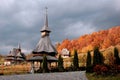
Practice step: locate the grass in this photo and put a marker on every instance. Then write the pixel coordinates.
(14, 69)
(91, 77)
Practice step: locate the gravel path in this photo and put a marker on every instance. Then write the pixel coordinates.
(79, 75)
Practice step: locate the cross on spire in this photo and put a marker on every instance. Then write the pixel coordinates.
(19, 47)
(46, 9)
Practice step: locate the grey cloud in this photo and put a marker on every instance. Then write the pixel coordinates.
(21, 20)
(79, 28)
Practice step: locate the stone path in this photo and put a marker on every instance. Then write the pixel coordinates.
(79, 75)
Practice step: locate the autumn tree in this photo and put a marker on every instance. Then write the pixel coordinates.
(103, 39)
(88, 62)
(110, 59)
(116, 56)
(75, 60)
(83, 59)
(60, 64)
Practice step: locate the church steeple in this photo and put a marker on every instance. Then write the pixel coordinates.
(45, 27)
(45, 46)
(19, 47)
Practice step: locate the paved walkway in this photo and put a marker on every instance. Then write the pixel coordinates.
(79, 75)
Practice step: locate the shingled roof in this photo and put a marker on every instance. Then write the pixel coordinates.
(15, 54)
(40, 58)
(45, 45)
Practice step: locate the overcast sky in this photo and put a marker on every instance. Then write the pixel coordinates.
(21, 20)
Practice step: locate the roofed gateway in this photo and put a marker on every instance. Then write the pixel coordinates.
(44, 46)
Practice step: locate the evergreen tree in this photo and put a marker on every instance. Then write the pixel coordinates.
(75, 60)
(45, 65)
(116, 55)
(97, 57)
(60, 63)
(101, 58)
(88, 63)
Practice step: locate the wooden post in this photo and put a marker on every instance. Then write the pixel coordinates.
(56, 64)
(50, 65)
(32, 67)
(40, 65)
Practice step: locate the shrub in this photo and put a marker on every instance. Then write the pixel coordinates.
(113, 70)
(40, 70)
(118, 68)
(96, 69)
(54, 69)
(104, 70)
(89, 69)
(67, 69)
(100, 70)
(82, 68)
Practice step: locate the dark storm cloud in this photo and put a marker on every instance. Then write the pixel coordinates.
(21, 20)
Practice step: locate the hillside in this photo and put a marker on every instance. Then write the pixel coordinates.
(103, 39)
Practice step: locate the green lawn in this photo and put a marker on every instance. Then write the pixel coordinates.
(91, 77)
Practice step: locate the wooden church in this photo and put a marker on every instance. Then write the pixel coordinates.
(44, 46)
(15, 56)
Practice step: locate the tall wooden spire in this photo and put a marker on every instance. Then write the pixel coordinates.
(46, 18)
(45, 27)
